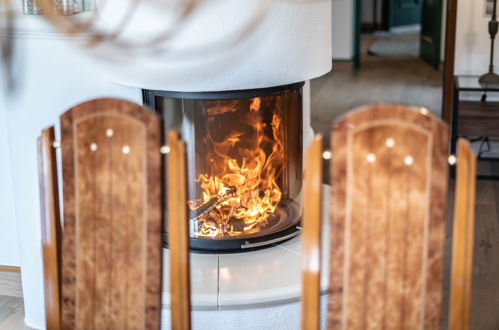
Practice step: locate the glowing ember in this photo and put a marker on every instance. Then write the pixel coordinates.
(240, 189)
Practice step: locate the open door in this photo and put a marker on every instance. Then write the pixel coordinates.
(431, 27)
(404, 12)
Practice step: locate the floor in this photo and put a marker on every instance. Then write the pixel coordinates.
(400, 44)
(405, 80)
(11, 302)
(383, 79)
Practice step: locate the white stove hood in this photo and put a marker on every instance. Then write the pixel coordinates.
(290, 41)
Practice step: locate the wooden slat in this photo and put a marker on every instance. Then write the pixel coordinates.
(311, 237)
(112, 216)
(51, 227)
(178, 234)
(389, 181)
(463, 238)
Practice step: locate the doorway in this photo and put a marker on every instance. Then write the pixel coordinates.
(401, 27)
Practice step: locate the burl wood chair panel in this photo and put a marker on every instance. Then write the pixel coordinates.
(389, 185)
(51, 228)
(111, 267)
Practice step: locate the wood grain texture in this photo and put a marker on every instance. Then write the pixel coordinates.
(478, 118)
(311, 237)
(389, 184)
(485, 293)
(51, 227)
(112, 216)
(463, 238)
(178, 234)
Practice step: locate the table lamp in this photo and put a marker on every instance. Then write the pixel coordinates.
(491, 77)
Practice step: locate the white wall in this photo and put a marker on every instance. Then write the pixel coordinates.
(343, 29)
(9, 251)
(56, 77)
(472, 39)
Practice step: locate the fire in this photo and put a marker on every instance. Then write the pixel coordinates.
(240, 189)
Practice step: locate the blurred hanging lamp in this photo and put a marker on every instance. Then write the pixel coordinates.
(491, 77)
(62, 7)
(6, 45)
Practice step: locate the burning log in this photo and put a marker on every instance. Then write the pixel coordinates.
(236, 224)
(225, 214)
(204, 209)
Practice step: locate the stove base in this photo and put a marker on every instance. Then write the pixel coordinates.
(200, 245)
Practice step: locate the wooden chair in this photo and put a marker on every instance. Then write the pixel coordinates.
(311, 237)
(111, 244)
(51, 228)
(389, 184)
(462, 242)
(178, 234)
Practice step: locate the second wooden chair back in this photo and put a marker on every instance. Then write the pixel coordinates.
(389, 183)
(389, 188)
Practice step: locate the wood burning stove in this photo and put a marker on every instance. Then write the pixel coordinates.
(244, 163)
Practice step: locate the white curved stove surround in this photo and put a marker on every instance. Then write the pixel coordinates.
(263, 286)
(289, 42)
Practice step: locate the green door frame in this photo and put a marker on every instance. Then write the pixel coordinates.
(430, 45)
(356, 37)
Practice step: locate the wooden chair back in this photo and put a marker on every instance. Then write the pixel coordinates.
(111, 259)
(463, 238)
(311, 237)
(389, 185)
(51, 228)
(178, 234)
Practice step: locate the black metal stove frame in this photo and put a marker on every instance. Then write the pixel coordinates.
(201, 245)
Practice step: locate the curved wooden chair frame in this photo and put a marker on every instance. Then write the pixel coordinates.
(311, 237)
(51, 227)
(463, 238)
(178, 234)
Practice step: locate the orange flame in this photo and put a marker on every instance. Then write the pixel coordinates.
(242, 189)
